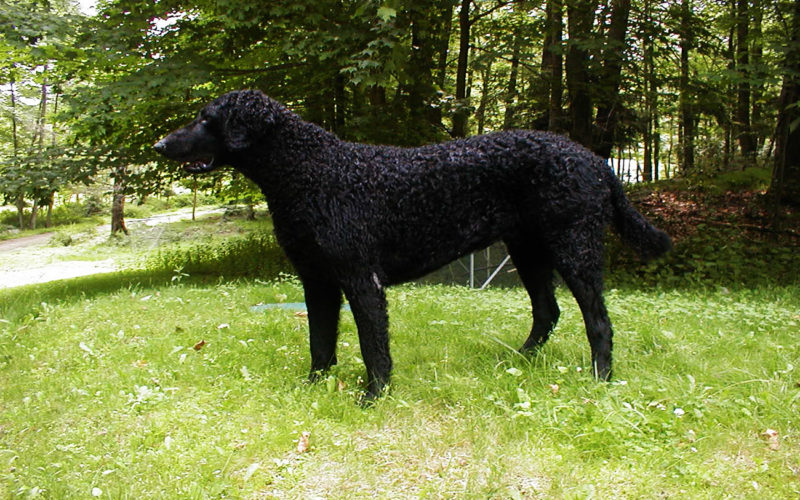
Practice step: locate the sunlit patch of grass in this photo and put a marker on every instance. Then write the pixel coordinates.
(177, 389)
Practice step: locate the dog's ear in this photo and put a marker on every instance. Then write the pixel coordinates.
(249, 116)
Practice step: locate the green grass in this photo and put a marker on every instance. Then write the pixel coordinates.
(102, 391)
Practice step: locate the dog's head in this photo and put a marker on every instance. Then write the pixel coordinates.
(229, 125)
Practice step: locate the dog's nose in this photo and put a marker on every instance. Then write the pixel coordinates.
(160, 146)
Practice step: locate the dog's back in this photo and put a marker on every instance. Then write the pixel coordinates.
(417, 209)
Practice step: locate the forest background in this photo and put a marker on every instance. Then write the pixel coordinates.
(683, 89)
(182, 374)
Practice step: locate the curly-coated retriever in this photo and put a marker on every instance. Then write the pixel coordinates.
(355, 218)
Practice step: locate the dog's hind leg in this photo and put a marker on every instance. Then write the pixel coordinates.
(579, 261)
(323, 300)
(368, 303)
(536, 273)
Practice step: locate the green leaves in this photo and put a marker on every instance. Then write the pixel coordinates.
(386, 13)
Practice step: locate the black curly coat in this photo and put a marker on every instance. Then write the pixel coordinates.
(355, 218)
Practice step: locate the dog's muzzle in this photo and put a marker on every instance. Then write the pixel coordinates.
(193, 166)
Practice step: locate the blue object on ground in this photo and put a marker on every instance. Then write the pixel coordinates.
(287, 306)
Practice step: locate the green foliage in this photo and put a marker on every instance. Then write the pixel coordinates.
(749, 179)
(94, 205)
(152, 205)
(61, 239)
(712, 256)
(39, 172)
(63, 215)
(187, 200)
(72, 213)
(254, 255)
(372, 71)
(703, 404)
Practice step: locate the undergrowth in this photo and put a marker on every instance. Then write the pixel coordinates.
(256, 254)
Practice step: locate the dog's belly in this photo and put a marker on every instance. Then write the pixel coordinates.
(411, 253)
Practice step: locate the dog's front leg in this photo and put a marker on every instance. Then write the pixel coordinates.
(368, 303)
(324, 301)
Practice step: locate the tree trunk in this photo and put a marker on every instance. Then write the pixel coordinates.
(38, 142)
(422, 59)
(726, 116)
(38, 135)
(51, 201)
(580, 15)
(511, 94)
(486, 78)
(744, 132)
(461, 113)
(339, 106)
(51, 197)
(758, 75)
(553, 55)
(20, 200)
(377, 97)
(14, 136)
(650, 91)
(613, 53)
(34, 215)
(443, 28)
(785, 185)
(687, 120)
(118, 201)
(194, 197)
(656, 130)
(20, 204)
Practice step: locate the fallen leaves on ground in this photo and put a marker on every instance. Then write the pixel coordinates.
(772, 438)
(303, 443)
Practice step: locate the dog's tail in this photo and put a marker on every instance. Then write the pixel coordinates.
(635, 230)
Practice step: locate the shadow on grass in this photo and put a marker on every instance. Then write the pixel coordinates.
(19, 301)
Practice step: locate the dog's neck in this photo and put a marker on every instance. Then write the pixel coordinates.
(282, 177)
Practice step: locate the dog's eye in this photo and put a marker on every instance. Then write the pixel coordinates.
(204, 122)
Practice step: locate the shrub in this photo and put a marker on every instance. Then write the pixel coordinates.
(187, 199)
(95, 205)
(61, 239)
(713, 255)
(9, 219)
(72, 213)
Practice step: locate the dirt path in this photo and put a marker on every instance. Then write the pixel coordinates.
(21, 268)
(25, 241)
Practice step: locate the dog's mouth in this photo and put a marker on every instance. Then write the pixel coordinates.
(201, 166)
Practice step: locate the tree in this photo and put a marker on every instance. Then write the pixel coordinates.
(33, 36)
(785, 186)
(650, 89)
(609, 109)
(686, 134)
(747, 142)
(553, 64)
(615, 74)
(580, 15)
(429, 26)
(461, 113)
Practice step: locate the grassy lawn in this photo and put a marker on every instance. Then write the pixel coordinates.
(102, 393)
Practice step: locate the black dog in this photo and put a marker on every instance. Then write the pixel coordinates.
(355, 218)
